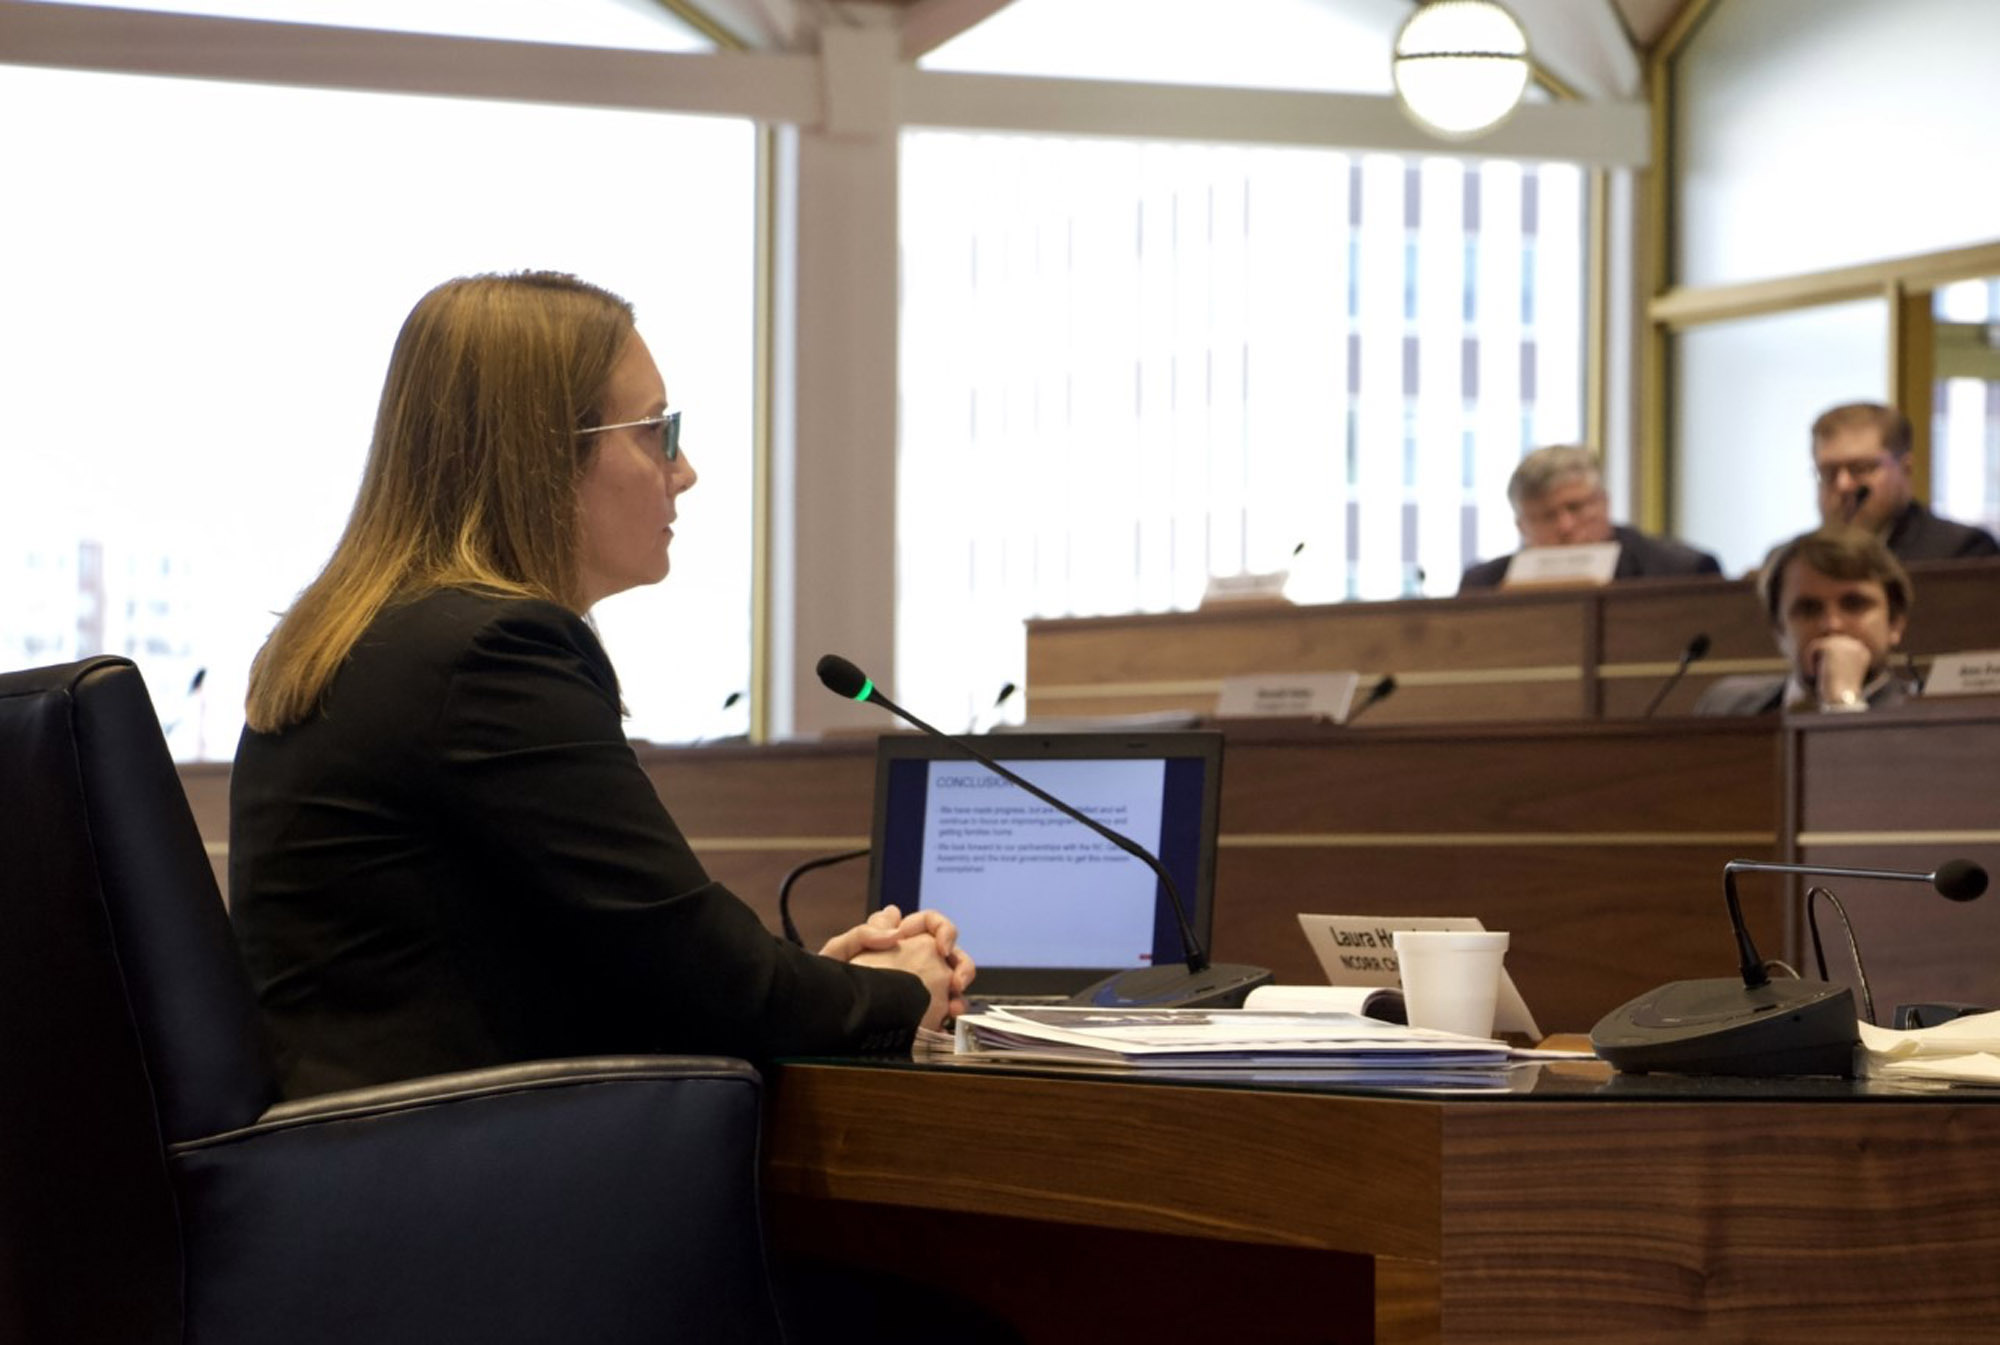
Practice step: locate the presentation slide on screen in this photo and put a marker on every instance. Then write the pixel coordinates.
(1030, 887)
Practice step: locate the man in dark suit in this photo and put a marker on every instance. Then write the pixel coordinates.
(1837, 601)
(1559, 500)
(1861, 456)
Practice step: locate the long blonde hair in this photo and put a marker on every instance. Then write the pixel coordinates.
(471, 476)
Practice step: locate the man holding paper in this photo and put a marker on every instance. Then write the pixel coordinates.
(1559, 500)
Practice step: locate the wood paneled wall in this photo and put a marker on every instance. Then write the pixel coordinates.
(1904, 791)
(1573, 654)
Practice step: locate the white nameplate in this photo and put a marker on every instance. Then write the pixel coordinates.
(1970, 674)
(1287, 695)
(1359, 950)
(1247, 588)
(1589, 563)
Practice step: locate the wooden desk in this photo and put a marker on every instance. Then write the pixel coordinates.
(1570, 654)
(1905, 789)
(1090, 1211)
(1598, 846)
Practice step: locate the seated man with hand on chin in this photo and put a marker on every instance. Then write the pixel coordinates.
(1838, 602)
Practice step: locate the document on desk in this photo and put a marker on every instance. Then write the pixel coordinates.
(1184, 1039)
(1964, 1050)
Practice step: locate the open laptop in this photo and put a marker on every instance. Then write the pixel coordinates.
(1045, 905)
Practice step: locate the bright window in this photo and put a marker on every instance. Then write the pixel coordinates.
(629, 24)
(1965, 433)
(204, 280)
(1129, 367)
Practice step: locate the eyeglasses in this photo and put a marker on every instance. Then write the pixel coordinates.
(1857, 472)
(668, 423)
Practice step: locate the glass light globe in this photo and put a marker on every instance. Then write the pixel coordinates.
(1460, 66)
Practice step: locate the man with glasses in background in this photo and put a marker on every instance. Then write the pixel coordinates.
(1861, 457)
(1559, 500)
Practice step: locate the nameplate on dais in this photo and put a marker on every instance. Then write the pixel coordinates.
(1590, 563)
(1287, 696)
(1968, 674)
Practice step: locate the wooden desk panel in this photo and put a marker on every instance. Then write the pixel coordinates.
(1598, 847)
(1591, 927)
(1646, 626)
(1904, 789)
(1530, 1221)
(1478, 658)
(1600, 653)
(753, 814)
(1562, 780)
(1957, 607)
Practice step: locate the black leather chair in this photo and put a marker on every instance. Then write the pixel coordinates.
(153, 1189)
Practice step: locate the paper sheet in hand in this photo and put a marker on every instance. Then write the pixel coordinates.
(1356, 950)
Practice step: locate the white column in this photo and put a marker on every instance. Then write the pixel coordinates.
(833, 430)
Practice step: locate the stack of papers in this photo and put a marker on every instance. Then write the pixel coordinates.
(1333, 1045)
(1964, 1050)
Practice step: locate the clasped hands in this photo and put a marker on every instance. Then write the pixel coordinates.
(923, 943)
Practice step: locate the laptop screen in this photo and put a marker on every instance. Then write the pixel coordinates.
(1046, 905)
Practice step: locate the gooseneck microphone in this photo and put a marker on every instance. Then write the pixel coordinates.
(1201, 984)
(1750, 1024)
(988, 719)
(1861, 494)
(1955, 880)
(1696, 651)
(1381, 691)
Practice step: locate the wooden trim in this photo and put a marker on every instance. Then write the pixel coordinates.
(1652, 503)
(1597, 309)
(1691, 17)
(1912, 371)
(1927, 838)
(702, 844)
(763, 393)
(699, 19)
(1552, 84)
(1437, 677)
(1680, 308)
(1713, 667)
(1485, 839)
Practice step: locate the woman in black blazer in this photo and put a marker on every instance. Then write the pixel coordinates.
(443, 852)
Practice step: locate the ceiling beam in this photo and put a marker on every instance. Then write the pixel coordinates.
(1598, 134)
(929, 24)
(1584, 43)
(760, 86)
(778, 87)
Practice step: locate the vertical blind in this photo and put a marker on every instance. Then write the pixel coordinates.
(1129, 367)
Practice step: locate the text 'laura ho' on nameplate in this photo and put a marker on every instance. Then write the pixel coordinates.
(1287, 695)
(1971, 674)
(1587, 563)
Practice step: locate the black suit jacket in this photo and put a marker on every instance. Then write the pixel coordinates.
(1921, 535)
(459, 862)
(1639, 557)
(1754, 694)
